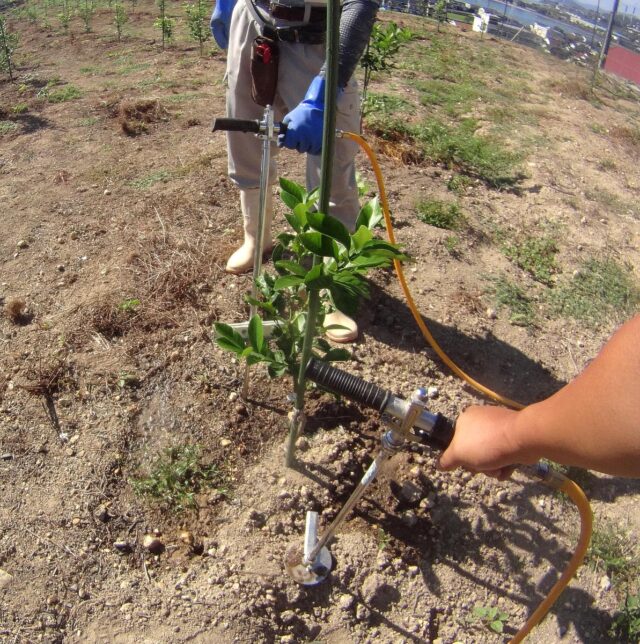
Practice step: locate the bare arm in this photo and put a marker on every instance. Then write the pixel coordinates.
(592, 422)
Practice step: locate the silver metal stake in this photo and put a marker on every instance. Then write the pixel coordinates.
(267, 136)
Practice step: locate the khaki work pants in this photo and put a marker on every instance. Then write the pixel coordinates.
(299, 64)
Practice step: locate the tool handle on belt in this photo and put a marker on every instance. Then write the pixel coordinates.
(435, 429)
(236, 125)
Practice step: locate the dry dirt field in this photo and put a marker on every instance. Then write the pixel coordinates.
(117, 218)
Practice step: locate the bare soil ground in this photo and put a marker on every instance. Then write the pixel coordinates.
(121, 194)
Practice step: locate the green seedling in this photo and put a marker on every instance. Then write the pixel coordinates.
(129, 305)
(440, 12)
(164, 23)
(383, 539)
(176, 477)
(491, 616)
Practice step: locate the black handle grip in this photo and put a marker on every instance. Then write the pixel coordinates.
(236, 125)
(442, 433)
(343, 383)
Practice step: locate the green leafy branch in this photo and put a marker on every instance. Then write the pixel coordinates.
(337, 275)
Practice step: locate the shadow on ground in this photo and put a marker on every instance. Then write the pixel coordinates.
(489, 360)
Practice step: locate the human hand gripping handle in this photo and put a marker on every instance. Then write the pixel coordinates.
(304, 123)
(484, 442)
(221, 21)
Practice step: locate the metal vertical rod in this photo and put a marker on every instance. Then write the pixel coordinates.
(326, 163)
(262, 207)
(607, 39)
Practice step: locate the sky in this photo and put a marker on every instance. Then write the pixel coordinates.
(625, 5)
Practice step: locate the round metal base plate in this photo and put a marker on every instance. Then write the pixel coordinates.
(308, 575)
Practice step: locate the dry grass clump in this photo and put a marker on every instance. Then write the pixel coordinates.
(172, 272)
(16, 311)
(627, 135)
(111, 317)
(47, 378)
(579, 88)
(135, 117)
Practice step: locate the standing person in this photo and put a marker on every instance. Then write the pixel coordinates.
(297, 31)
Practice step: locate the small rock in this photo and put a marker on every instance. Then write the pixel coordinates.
(492, 314)
(153, 544)
(127, 607)
(346, 602)
(225, 442)
(7, 456)
(60, 268)
(107, 192)
(410, 492)
(122, 546)
(23, 243)
(5, 578)
(409, 519)
(102, 513)
(605, 583)
(432, 392)
(288, 617)
(233, 396)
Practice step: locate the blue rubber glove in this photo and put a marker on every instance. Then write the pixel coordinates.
(304, 122)
(220, 21)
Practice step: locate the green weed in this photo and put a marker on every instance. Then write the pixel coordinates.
(600, 292)
(606, 164)
(459, 147)
(536, 256)
(452, 245)
(151, 179)
(610, 202)
(612, 552)
(491, 616)
(459, 183)
(440, 214)
(7, 126)
(176, 477)
(88, 121)
(384, 104)
(129, 305)
(626, 622)
(383, 539)
(508, 294)
(20, 108)
(598, 129)
(62, 95)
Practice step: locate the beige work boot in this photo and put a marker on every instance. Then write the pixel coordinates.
(348, 333)
(242, 260)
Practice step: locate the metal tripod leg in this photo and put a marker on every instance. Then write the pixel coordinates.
(311, 566)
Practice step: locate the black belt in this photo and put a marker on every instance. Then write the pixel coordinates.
(302, 35)
(293, 14)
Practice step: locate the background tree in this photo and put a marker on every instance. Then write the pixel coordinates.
(8, 43)
(198, 22)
